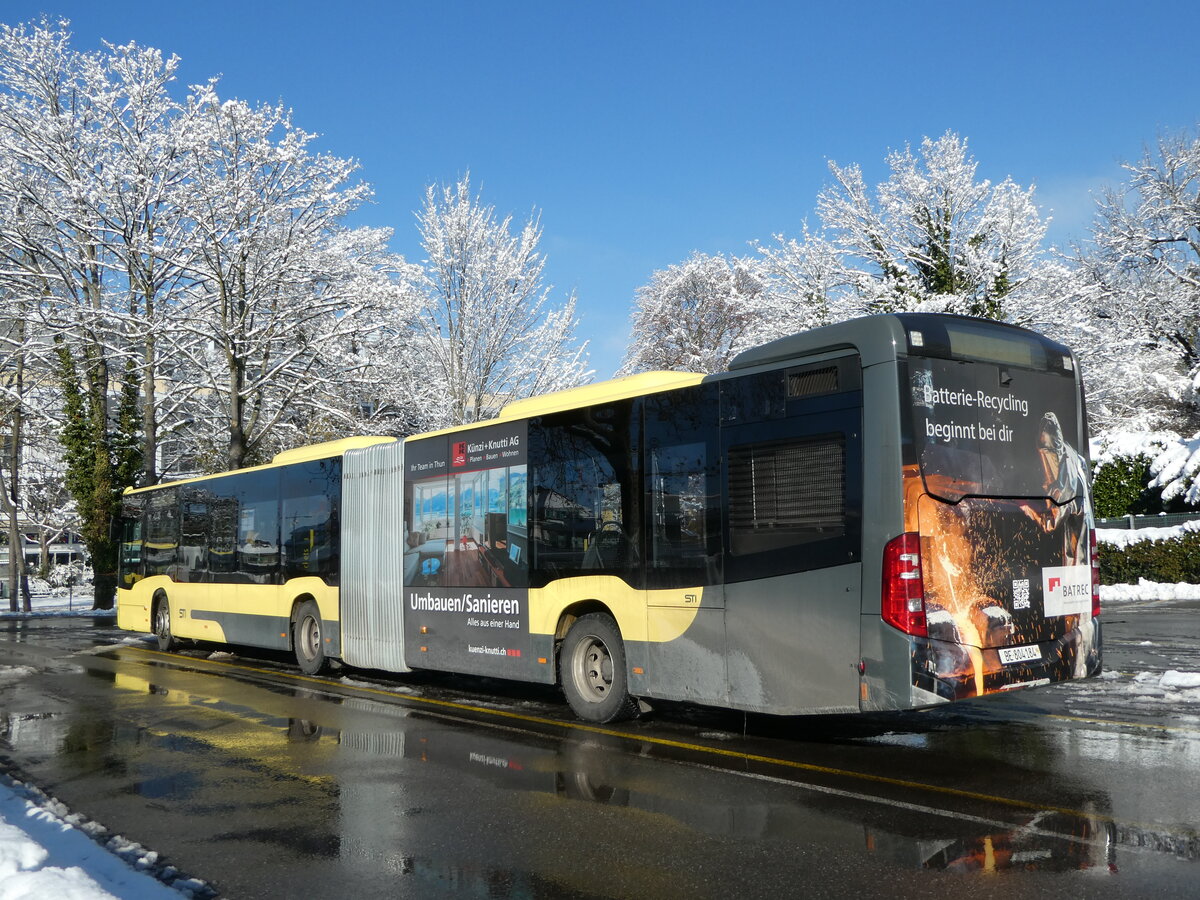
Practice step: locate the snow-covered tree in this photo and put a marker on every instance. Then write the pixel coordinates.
(46, 504)
(58, 269)
(698, 315)
(144, 242)
(929, 238)
(490, 332)
(382, 385)
(1142, 278)
(134, 192)
(277, 281)
(805, 277)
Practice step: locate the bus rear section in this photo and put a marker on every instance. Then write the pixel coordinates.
(994, 580)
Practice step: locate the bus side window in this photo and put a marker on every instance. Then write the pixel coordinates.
(195, 526)
(583, 470)
(162, 533)
(258, 527)
(131, 541)
(223, 526)
(311, 497)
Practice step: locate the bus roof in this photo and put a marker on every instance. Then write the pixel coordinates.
(600, 392)
(324, 450)
(585, 395)
(877, 339)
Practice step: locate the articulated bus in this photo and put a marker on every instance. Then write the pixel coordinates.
(888, 513)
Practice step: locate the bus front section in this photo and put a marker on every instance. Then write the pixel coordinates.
(994, 580)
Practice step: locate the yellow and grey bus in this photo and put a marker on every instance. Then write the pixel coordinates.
(887, 513)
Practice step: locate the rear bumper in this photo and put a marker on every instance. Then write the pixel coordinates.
(952, 671)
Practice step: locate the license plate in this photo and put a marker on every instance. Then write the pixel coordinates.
(1028, 653)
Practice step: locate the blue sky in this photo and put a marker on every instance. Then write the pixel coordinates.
(644, 131)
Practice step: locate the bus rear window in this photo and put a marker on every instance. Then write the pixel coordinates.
(986, 429)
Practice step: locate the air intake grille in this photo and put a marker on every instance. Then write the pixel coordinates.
(792, 488)
(809, 382)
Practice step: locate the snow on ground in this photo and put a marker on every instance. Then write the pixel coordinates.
(43, 854)
(1172, 693)
(59, 602)
(47, 851)
(1120, 538)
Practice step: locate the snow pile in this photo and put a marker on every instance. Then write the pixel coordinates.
(44, 855)
(1147, 590)
(1174, 679)
(1121, 538)
(1171, 687)
(1171, 691)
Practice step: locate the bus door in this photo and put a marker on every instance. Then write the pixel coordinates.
(685, 593)
(793, 501)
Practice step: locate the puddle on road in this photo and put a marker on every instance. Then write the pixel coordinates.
(245, 770)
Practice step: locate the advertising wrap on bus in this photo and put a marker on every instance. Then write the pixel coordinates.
(998, 492)
(466, 598)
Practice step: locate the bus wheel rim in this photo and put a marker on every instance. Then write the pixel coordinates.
(593, 669)
(310, 637)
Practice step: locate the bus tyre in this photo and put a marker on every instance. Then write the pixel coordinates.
(593, 673)
(162, 625)
(308, 638)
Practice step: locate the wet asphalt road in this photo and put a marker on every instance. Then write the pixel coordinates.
(268, 784)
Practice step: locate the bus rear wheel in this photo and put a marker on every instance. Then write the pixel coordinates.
(307, 638)
(593, 673)
(162, 625)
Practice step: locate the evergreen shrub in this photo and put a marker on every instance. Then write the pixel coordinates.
(1121, 488)
(1169, 561)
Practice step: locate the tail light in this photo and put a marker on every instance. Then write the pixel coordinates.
(1095, 573)
(903, 601)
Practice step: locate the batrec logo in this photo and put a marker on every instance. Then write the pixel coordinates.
(1067, 590)
(458, 454)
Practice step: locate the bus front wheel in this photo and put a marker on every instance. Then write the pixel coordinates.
(593, 673)
(162, 625)
(307, 638)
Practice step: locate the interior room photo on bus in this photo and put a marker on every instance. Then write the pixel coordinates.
(467, 529)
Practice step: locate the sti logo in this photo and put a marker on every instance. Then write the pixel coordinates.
(458, 454)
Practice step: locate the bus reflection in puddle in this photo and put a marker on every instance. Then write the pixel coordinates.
(611, 773)
(592, 772)
(1049, 842)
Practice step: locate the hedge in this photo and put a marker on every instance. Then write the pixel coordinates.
(1168, 561)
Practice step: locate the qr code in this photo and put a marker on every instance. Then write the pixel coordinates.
(1020, 593)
